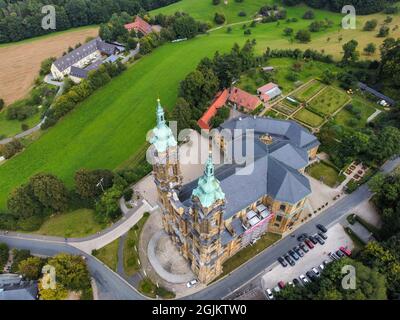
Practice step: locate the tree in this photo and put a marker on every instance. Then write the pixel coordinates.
(1, 104)
(370, 48)
(350, 53)
(22, 203)
(383, 31)
(370, 25)
(390, 60)
(59, 293)
(182, 113)
(50, 191)
(71, 271)
(107, 208)
(288, 31)
(4, 250)
(385, 144)
(12, 148)
(86, 182)
(303, 36)
(328, 77)
(46, 66)
(309, 15)
(216, 2)
(219, 18)
(31, 268)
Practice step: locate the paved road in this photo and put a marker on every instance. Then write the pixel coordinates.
(111, 286)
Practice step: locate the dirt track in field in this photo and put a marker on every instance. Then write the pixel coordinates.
(20, 63)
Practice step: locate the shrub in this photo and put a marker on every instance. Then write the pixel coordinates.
(12, 148)
(242, 14)
(1, 104)
(247, 32)
(383, 32)
(309, 15)
(128, 193)
(303, 36)
(219, 18)
(370, 25)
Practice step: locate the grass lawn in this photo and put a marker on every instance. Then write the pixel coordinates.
(367, 109)
(249, 252)
(325, 173)
(12, 127)
(131, 256)
(150, 289)
(109, 254)
(75, 224)
(111, 124)
(309, 91)
(309, 118)
(329, 101)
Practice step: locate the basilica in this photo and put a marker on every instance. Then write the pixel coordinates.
(229, 207)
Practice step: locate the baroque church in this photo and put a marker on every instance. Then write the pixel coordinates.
(227, 208)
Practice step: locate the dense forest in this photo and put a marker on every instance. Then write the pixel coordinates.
(362, 6)
(22, 19)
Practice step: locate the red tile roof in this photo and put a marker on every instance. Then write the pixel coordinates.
(139, 25)
(244, 99)
(220, 101)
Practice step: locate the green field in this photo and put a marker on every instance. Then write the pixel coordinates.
(309, 91)
(309, 118)
(110, 126)
(325, 173)
(345, 118)
(329, 101)
(76, 224)
(109, 254)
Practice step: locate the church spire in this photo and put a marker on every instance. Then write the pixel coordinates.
(160, 114)
(209, 168)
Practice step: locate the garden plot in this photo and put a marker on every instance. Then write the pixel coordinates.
(309, 118)
(309, 91)
(329, 101)
(286, 107)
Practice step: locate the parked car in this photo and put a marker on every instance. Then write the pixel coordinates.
(282, 262)
(302, 237)
(304, 279)
(333, 256)
(346, 251)
(296, 281)
(191, 283)
(277, 289)
(323, 235)
(270, 296)
(290, 260)
(322, 228)
(319, 239)
(294, 255)
(309, 243)
(325, 263)
(321, 267)
(339, 253)
(291, 284)
(316, 271)
(298, 251)
(303, 247)
(313, 240)
(281, 284)
(311, 275)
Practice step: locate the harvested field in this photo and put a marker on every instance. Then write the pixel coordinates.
(20, 62)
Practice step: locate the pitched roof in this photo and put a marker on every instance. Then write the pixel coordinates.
(244, 99)
(83, 51)
(220, 101)
(267, 87)
(274, 168)
(139, 25)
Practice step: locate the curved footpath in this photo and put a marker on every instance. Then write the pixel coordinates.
(112, 286)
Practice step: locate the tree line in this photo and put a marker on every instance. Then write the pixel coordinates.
(23, 19)
(362, 6)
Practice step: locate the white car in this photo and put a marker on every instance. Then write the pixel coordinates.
(316, 271)
(191, 283)
(270, 296)
(321, 267)
(304, 279)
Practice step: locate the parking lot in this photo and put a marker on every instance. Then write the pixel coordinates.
(336, 238)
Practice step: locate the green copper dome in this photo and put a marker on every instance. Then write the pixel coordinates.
(162, 137)
(208, 190)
